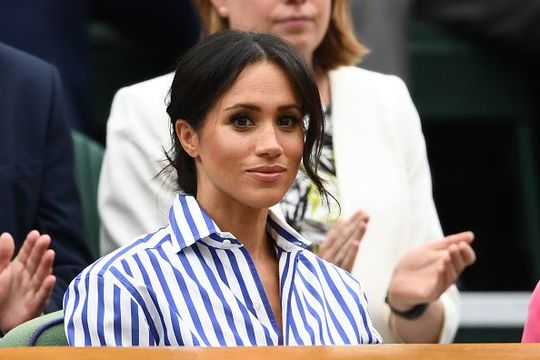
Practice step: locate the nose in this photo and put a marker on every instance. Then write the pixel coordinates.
(268, 144)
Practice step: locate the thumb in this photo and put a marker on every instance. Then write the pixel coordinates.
(7, 248)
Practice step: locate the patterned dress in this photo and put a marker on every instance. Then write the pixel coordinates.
(303, 207)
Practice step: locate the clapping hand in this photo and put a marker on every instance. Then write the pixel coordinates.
(26, 282)
(341, 244)
(423, 274)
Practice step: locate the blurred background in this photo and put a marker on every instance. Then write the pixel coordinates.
(472, 67)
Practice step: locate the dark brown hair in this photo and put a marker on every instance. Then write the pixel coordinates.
(212, 66)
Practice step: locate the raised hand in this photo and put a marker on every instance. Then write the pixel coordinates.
(26, 282)
(423, 274)
(342, 241)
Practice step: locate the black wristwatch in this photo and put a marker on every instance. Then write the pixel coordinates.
(411, 314)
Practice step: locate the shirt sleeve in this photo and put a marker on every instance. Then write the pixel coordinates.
(101, 310)
(376, 338)
(132, 200)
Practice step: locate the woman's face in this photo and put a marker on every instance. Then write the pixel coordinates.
(301, 22)
(251, 142)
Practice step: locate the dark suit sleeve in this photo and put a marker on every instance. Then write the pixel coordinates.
(59, 208)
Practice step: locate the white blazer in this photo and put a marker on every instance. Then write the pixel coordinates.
(381, 167)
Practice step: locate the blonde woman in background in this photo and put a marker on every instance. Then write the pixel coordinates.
(374, 161)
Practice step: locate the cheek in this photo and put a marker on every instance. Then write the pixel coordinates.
(324, 16)
(225, 151)
(249, 17)
(295, 148)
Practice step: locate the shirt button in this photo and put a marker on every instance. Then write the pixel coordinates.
(257, 306)
(227, 242)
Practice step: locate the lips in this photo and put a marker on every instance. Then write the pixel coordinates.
(294, 22)
(267, 173)
(295, 18)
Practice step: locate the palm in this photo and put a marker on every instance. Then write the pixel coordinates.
(418, 275)
(342, 242)
(423, 274)
(17, 304)
(6, 282)
(26, 281)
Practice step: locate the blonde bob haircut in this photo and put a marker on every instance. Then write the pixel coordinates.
(339, 46)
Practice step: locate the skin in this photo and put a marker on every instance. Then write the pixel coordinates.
(26, 282)
(247, 155)
(414, 280)
(342, 242)
(301, 22)
(421, 276)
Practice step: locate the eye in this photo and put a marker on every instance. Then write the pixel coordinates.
(288, 121)
(241, 121)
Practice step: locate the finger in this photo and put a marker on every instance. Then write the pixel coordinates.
(356, 226)
(362, 215)
(466, 236)
(457, 261)
(336, 245)
(43, 294)
(443, 243)
(327, 249)
(351, 250)
(350, 256)
(27, 246)
(332, 235)
(41, 246)
(362, 230)
(43, 270)
(353, 230)
(426, 255)
(349, 231)
(342, 252)
(331, 245)
(467, 253)
(449, 271)
(440, 244)
(7, 247)
(358, 215)
(356, 231)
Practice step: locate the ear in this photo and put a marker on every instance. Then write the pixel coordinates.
(188, 137)
(221, 7)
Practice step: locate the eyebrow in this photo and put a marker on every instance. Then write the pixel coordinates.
(257, 108)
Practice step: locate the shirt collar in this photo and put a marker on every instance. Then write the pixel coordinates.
(284, 235)
(189, 223)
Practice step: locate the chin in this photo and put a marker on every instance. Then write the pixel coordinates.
(304, 45)
(263, 199)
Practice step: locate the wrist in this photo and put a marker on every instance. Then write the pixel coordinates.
(411, 312)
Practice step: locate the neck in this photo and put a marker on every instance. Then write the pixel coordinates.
(247, 224)
(323, 83)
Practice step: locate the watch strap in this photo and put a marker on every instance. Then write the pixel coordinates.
(414, 313)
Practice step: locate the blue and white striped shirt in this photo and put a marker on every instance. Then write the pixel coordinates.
(192, 284)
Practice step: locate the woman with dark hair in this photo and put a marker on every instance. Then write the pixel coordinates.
(373, 160)
(227, 271)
